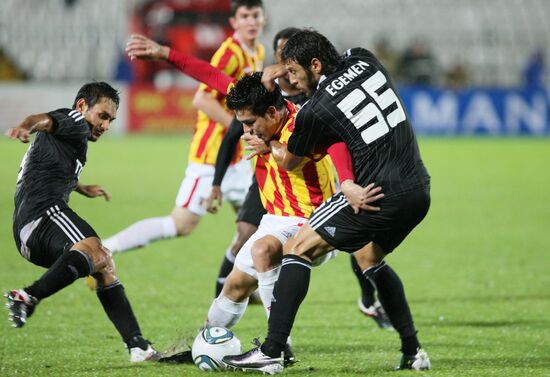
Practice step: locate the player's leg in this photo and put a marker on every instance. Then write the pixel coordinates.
(113, 298)
(292, 286)
(46, 245)
(392, 296)
(290, 290)
(367, 303)
(250, 212)
(244, 231)
(227, 309)
(267, 254)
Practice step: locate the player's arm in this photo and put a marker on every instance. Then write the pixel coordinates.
(271, 74)
(92, 191)
(283, 157)
(358, 197)
(140, 47)
(204, 102)
(226, 152)
(33, 123)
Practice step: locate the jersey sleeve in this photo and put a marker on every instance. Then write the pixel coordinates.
(342, 161)
(201, 70)
(227, 150)
(69, 124)
(308, 129)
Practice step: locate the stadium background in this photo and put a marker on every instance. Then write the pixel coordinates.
(476, 270)
(476, 67)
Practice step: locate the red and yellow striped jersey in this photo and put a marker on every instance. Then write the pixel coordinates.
(297, 192)
(233, 60)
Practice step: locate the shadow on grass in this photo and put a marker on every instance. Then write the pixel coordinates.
(493, 324)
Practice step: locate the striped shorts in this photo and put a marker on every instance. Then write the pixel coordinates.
(45, 239)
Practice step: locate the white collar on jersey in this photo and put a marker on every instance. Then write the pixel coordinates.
(321, 79)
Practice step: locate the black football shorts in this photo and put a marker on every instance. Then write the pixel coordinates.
(53, 234)
(252, 209)
(339, 226)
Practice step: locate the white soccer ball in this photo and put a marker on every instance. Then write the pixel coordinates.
(211, 345)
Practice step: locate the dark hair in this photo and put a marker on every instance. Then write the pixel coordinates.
(286, 33)
(92, 92)
(307, 44)
(250, 94)
(236, 4)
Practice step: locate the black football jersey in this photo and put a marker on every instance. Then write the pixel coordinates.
(51, 167)
(359, 105)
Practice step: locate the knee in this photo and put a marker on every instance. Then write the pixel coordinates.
(185, 221)
(236, 289)
(103, 266)
(105, 274)
(264, 256)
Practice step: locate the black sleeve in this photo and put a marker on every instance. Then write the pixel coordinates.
(227, 150)
(308, 129)
(69, 124)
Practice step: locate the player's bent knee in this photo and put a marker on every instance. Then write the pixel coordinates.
(94, 249)
(185, 221)
(106, 275)
(266, 255)
(238, 285)
(306, 244)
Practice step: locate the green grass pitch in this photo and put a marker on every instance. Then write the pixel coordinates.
(476, 271)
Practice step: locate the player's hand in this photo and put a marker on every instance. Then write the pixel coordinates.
(254, 144)
(360, 197)
(140, 47)
(214, 201)
(271, 73)
(93, 191)
(18, 133)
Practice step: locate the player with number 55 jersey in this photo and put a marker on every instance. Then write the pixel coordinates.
(352, 100)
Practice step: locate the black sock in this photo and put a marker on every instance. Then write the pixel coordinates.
(367, 289)
(65, 270)
(225, 269)
(392, 297)
(116, 305)
(289, 292)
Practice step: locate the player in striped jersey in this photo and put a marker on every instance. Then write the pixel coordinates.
(47, 232)
(239, 54)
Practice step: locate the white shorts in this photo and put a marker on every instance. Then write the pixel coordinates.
(280, 227)
(197, 185)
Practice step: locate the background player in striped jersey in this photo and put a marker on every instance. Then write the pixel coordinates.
(47, 232)
(239, 54)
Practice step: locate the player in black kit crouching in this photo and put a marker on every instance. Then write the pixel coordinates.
(47, 232)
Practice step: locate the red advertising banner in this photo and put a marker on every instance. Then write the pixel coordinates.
(154, 110)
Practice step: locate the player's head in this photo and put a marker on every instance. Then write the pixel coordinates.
(280, 40)
(261, 111)
(247, 19)
(308, 55)
(98, 102)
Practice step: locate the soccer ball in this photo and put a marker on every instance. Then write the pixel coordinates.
(211, 345)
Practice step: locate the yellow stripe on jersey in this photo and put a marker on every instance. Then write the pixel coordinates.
(299, 191)
(234, 61)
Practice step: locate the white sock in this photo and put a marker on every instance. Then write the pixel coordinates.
(266, 283)
(224, 312)
(141, 233)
